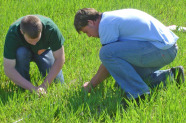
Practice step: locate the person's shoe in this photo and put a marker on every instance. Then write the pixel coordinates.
(142, 98)
(178, 73)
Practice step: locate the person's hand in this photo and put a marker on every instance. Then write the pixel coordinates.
(43, 85)
(87, 86)
(41, 91)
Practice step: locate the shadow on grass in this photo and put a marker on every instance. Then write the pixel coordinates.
(7, 92)
(97, 104)
(104, 102)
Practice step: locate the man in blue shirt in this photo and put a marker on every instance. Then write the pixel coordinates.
(135, 46)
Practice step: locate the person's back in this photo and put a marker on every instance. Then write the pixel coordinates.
(134, 25)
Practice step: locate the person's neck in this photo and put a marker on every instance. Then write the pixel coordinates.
(98, 20)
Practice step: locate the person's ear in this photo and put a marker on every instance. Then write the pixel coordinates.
(90, 22)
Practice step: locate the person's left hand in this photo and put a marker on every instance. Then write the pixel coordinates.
(87, 86)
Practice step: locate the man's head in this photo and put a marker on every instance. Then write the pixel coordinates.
(87, 21)
(31, 28)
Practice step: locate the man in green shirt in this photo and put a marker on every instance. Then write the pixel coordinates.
(34, 38)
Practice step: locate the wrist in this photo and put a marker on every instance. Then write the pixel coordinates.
(44, 85)
(33, 88)
(92, 84)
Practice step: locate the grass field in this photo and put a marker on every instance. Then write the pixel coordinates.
(69, 103)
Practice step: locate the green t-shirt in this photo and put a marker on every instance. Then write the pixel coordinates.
(51, 38)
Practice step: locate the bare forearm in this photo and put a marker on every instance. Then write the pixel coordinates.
(59, 57)
(100, 76)
(18, 79)
(53, 72)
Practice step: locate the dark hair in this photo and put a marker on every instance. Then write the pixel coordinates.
(82, 17)
(31, 25)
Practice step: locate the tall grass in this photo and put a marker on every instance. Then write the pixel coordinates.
(69, 103)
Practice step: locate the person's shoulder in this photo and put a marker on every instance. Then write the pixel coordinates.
(45, 20)
(48, 23)
(15, 24)
(125, 14)
(110, 17)
(126, 11)
(14, 28)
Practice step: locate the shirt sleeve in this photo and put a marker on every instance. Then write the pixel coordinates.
(10, 47)
(57, 39)
(108, 33)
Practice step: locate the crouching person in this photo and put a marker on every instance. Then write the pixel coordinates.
(135, 46)
(34, 38)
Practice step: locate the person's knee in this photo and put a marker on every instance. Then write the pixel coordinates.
(59, 78)
(22, 53)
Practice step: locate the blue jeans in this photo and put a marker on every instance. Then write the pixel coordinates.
(131, 62)
(44, 62)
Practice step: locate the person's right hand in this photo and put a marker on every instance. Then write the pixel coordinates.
(87, 86)
(41, 91)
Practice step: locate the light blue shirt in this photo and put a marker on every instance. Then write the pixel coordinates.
(134, 25)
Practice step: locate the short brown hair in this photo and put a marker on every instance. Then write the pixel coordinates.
(82, 17)
(31, 25)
